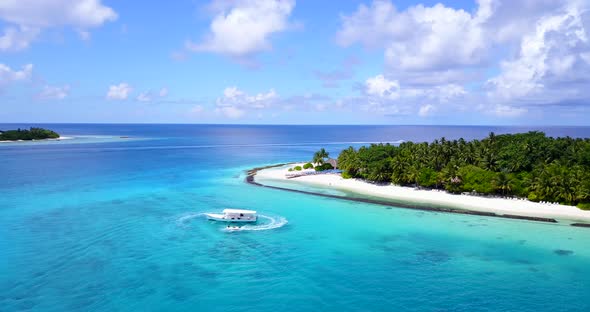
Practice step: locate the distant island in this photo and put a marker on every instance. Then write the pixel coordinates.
(527, 165)
(525, 175)
(28, 135)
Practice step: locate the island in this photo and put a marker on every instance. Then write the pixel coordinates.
(525, 175)
(28, 135)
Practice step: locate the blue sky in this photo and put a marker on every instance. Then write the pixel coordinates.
(296, 62)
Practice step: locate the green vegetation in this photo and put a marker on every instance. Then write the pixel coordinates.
(320, 156)
(346, 175)
(325, 166)
(31, 134)
(529, 165)
(298, 168)
(308, 166)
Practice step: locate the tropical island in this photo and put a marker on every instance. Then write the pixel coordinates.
(28, 135)
(526, 174)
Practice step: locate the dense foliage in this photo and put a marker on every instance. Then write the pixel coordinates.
(319, 157)
(31, 134)
(529, 165)
(308, 166)
(325, 166)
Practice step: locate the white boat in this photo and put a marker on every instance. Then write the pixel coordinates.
(233, 215)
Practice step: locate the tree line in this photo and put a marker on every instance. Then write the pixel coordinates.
(24, 134)
(529, 165)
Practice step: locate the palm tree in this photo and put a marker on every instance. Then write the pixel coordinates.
(412, 175)
(348, 161)
(503, 182)
(397, 167)
(319, 156)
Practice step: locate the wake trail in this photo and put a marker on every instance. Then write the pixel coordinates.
(274, 223)
(270, 223)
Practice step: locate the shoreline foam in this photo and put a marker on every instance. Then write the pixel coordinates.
(42, 140)
(427, 199)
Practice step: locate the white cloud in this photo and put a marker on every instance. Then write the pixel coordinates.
(235, 103)
(241, 28)
(54, 92)
(144, 97)
(433, 53)
(419, 38)
(119, 92)
(379, 86)
(151, 95)
(8, 75)
(426, 110)
(385, 96)
(17, 38)
(27, 18)
(551, 66)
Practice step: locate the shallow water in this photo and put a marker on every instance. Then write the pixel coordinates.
(105, 226)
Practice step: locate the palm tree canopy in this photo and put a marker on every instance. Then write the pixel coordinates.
(525, 164)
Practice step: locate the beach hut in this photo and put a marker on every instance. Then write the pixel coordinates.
(333, 162)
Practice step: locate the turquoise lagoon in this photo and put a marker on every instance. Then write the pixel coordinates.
(117, 226)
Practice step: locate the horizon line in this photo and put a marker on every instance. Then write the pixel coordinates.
(262, 124)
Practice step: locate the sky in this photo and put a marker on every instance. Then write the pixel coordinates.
(484, 62)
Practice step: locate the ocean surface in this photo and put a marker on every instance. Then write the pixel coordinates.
(111, 220)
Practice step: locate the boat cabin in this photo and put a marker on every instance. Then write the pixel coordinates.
(239, 214)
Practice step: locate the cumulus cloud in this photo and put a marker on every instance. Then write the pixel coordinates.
(426, 110)
(430, 52)
(235, 103)
(420, 37)
(9, 76)
(433, 53)
(17, 38)
(387, 96)
(54, 92)
(27, 18)
(244, 27)
(552, 64)
(381, 87)
(119, 92)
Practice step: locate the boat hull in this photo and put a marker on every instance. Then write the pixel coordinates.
(223, 218)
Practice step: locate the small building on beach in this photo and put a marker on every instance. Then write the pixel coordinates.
(333, 162)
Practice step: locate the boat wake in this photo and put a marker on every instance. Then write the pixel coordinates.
(185, 218)
(270, 224)
(265, 223)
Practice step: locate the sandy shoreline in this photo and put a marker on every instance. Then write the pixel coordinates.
(42, 140)
(500, 206)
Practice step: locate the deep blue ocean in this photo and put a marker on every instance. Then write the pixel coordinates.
(104, 223)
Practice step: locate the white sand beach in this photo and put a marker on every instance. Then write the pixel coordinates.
(499, 206)
(42, 140)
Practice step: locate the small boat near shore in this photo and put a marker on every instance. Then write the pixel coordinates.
(234, 215)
